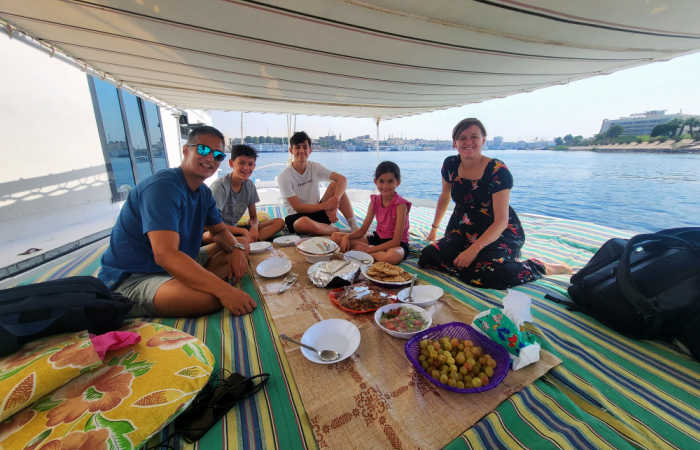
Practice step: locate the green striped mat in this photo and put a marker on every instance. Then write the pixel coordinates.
(610, 391)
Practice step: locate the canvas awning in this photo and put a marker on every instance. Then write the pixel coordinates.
(371, 58)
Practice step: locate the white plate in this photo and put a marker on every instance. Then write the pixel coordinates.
(364, 268)
(332, 334)
(402, 334)
(317, 246)
(358, 256)
(423, 294)
(259, 247)
(287, 240)
(274, 267)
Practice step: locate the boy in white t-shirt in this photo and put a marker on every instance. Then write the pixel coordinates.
(311, 213)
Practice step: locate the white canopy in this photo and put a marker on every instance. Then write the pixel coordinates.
(363, 58)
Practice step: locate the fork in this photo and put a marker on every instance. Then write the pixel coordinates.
(288, 282)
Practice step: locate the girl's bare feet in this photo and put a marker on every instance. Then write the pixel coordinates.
(557, 269)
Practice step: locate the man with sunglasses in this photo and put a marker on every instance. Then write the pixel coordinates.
(154, 256)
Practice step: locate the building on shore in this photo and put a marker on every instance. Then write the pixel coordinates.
(642, 123)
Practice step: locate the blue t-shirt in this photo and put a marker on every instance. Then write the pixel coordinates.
(161, 202)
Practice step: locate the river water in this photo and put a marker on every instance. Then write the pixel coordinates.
(632, 191)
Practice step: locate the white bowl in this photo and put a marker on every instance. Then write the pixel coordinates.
(318, 245)
(274, 267)
(422, 295)
(332, 334)
(287, 240)
(315, 258)
(402, 334)
(259, 247)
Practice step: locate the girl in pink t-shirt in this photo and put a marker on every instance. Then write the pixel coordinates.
(389, 242)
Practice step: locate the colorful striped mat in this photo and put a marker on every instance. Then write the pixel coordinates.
(610, 391)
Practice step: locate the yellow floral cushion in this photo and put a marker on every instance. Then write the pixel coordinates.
(245, 219)
(135, 393)
(41, 366)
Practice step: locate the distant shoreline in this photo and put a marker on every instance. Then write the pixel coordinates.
(597, 149)
(664, 147)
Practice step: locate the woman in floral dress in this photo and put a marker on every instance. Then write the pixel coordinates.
(484, 236)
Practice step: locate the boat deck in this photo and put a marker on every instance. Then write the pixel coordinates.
(609, 392)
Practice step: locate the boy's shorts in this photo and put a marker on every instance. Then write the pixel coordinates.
(374, 239)
(318, 216)
(141, 288)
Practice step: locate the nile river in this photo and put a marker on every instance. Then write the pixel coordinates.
(632, 191)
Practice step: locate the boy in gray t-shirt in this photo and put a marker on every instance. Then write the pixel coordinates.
(235, 192)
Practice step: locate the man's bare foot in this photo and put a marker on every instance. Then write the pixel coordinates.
(557, 269)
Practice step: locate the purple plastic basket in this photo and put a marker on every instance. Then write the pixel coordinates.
(461, 331)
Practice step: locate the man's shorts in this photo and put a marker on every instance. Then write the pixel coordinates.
(141, 288)
(318, 216)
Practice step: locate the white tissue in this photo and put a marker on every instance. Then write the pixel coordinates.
(516, 306)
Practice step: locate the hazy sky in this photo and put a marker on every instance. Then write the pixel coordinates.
(576, 108)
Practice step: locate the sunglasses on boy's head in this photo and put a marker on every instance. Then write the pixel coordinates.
(204, 150)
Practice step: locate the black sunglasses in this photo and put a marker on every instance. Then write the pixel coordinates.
(204, 150)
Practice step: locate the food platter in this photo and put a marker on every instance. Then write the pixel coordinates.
(364, 270)
(363, 297)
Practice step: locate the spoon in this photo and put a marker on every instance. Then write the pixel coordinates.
(324, 355)
(409, 297)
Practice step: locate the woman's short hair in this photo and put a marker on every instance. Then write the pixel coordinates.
(466, 123)
(387, 167)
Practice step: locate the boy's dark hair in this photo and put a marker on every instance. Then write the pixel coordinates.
(243, 150)
(387, 167)
(466, 123)
(298, 138)
(204, 129)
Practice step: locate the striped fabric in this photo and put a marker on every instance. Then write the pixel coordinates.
(610, 391)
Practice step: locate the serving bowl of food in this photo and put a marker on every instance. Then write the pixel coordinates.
(402, 320)
(318, 245)
(317, 249)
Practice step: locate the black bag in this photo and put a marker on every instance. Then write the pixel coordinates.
(214, 401)
(58, 306)
(646, 287)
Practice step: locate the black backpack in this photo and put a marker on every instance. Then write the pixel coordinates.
(647, 287)
(58, 306)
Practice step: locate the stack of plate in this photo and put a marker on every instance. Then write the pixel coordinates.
(317, 248)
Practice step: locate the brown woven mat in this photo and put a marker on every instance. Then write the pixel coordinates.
(375, 399)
